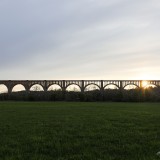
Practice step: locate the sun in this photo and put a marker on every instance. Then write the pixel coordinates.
(144, 83)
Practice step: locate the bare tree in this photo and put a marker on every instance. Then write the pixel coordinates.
(36, 88)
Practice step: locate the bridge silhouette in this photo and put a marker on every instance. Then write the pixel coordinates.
(82, 84)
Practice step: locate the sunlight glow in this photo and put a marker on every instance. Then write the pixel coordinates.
(144, 84)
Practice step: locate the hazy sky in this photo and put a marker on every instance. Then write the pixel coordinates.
(80, 39)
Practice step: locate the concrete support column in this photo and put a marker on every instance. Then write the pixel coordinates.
(9, 86)
(27, 89)
(121, 89)
(45, 86)
(121, 85)
(9, 90)
(102, 90)
(64, 89)
(82, 87)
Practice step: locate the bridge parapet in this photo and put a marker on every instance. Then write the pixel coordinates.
(152, 82)
(54, 82)
(92, 82)
(111, 82)
(74, 82)
(136, 83)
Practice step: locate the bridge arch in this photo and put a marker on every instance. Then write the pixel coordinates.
(131, 85)
(90, 85)
(112, 85)
(18, 88)
(36, 87)
(57, 87)
(3, 88)
(149, 85)
(75, 88)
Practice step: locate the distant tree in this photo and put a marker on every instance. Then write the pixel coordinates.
(36, 88)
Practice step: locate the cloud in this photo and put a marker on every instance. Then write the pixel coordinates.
(78, 39)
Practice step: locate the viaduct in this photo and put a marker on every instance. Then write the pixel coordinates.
(101, 84)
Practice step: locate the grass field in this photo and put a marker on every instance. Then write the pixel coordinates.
(79, 131)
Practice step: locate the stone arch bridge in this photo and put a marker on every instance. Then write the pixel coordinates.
(101, 84)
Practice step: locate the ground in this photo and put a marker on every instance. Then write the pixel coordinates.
(79, 131)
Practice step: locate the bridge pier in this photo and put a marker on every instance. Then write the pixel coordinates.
(102, 90)
(45, 86)
(27, 87)
(9, 91)
(82, 87)
(121, 86)
(9, 87)
(121, 89)
(64, 90)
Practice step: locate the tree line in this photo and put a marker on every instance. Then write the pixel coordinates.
(111, 95)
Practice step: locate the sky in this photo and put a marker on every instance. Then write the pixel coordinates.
(79, 39)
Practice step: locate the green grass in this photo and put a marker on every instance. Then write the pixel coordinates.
(79, 131)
